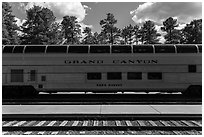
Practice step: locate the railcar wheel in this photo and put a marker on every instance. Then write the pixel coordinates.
(28, 91)
(194, 90)
(18, 91)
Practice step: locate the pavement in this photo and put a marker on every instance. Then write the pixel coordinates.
(101, 109)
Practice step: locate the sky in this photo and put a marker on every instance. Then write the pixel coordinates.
(89, 14)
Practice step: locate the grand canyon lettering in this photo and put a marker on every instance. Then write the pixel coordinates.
(137, 61)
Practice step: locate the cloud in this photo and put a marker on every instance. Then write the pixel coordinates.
(86, 7)
(185, 12)
(61, 9)
(19, 22)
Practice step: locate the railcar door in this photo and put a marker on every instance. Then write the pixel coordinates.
(32, 77)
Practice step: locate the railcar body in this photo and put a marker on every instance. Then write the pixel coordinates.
(164, 68)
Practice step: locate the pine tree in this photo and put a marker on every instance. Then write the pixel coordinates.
(54, 34)
(150, 33)
(124, 35)
(37, 26)
(71, 29)
(193, 32)
(109, 29)
(136, 34)
(9, 26)
(169, 26)
(89, 38)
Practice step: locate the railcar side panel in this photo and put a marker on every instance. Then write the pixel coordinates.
(103, 72)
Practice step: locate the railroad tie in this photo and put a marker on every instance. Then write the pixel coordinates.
(55, 133)
(41, 132)
(28, 133)
(75, 123)
(95, 123)
(51, 123)
(128, 123)
(105, 123)
(177, 132)
(9, 123)
(40, 123)
(82, 132)
(85, 123)
(29, 123)
(19, 123)
(134, 132)
(196, 123)
(152, 123)
(118, 123)
(165, 123)
(4, 132)
(176, 123)
(187, 123)
(63, 123)
(67, 133)
(121, 132)
(141, 123)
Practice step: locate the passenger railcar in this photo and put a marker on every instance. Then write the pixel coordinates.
(102, 68)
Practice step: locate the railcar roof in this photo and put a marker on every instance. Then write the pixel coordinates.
(148, 48)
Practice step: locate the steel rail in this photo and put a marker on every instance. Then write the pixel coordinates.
(6, 117)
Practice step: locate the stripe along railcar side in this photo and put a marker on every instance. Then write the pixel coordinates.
(102, 68)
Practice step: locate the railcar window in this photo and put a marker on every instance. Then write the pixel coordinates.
(56, 49)
(121, 49)
(134, 75)
(186, 49)
(142, 49)
(35, 49)
(114, 75)
(78, 49)
(192, 68)
(18, 49)
(99, 49)
(155, 75)
(43, 78)
(16, 75)
(200, 49)
(164, 49)
(32, 75)
(94, 76)
(8, 49)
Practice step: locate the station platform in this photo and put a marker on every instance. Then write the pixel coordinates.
(101, 109)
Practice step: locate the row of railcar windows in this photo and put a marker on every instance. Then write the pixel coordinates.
(104, 49)
(118, 76)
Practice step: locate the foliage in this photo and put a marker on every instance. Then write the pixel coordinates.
(54, 34)
(136, 34)
(193, 32)
(127, 34)
(41, 28)
(109, 29)
(89, 38)
(71, 29)
(169, 26)
(9, 27)
(37, 26)
(150, 35)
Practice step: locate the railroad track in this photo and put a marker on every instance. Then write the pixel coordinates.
(29, 124)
